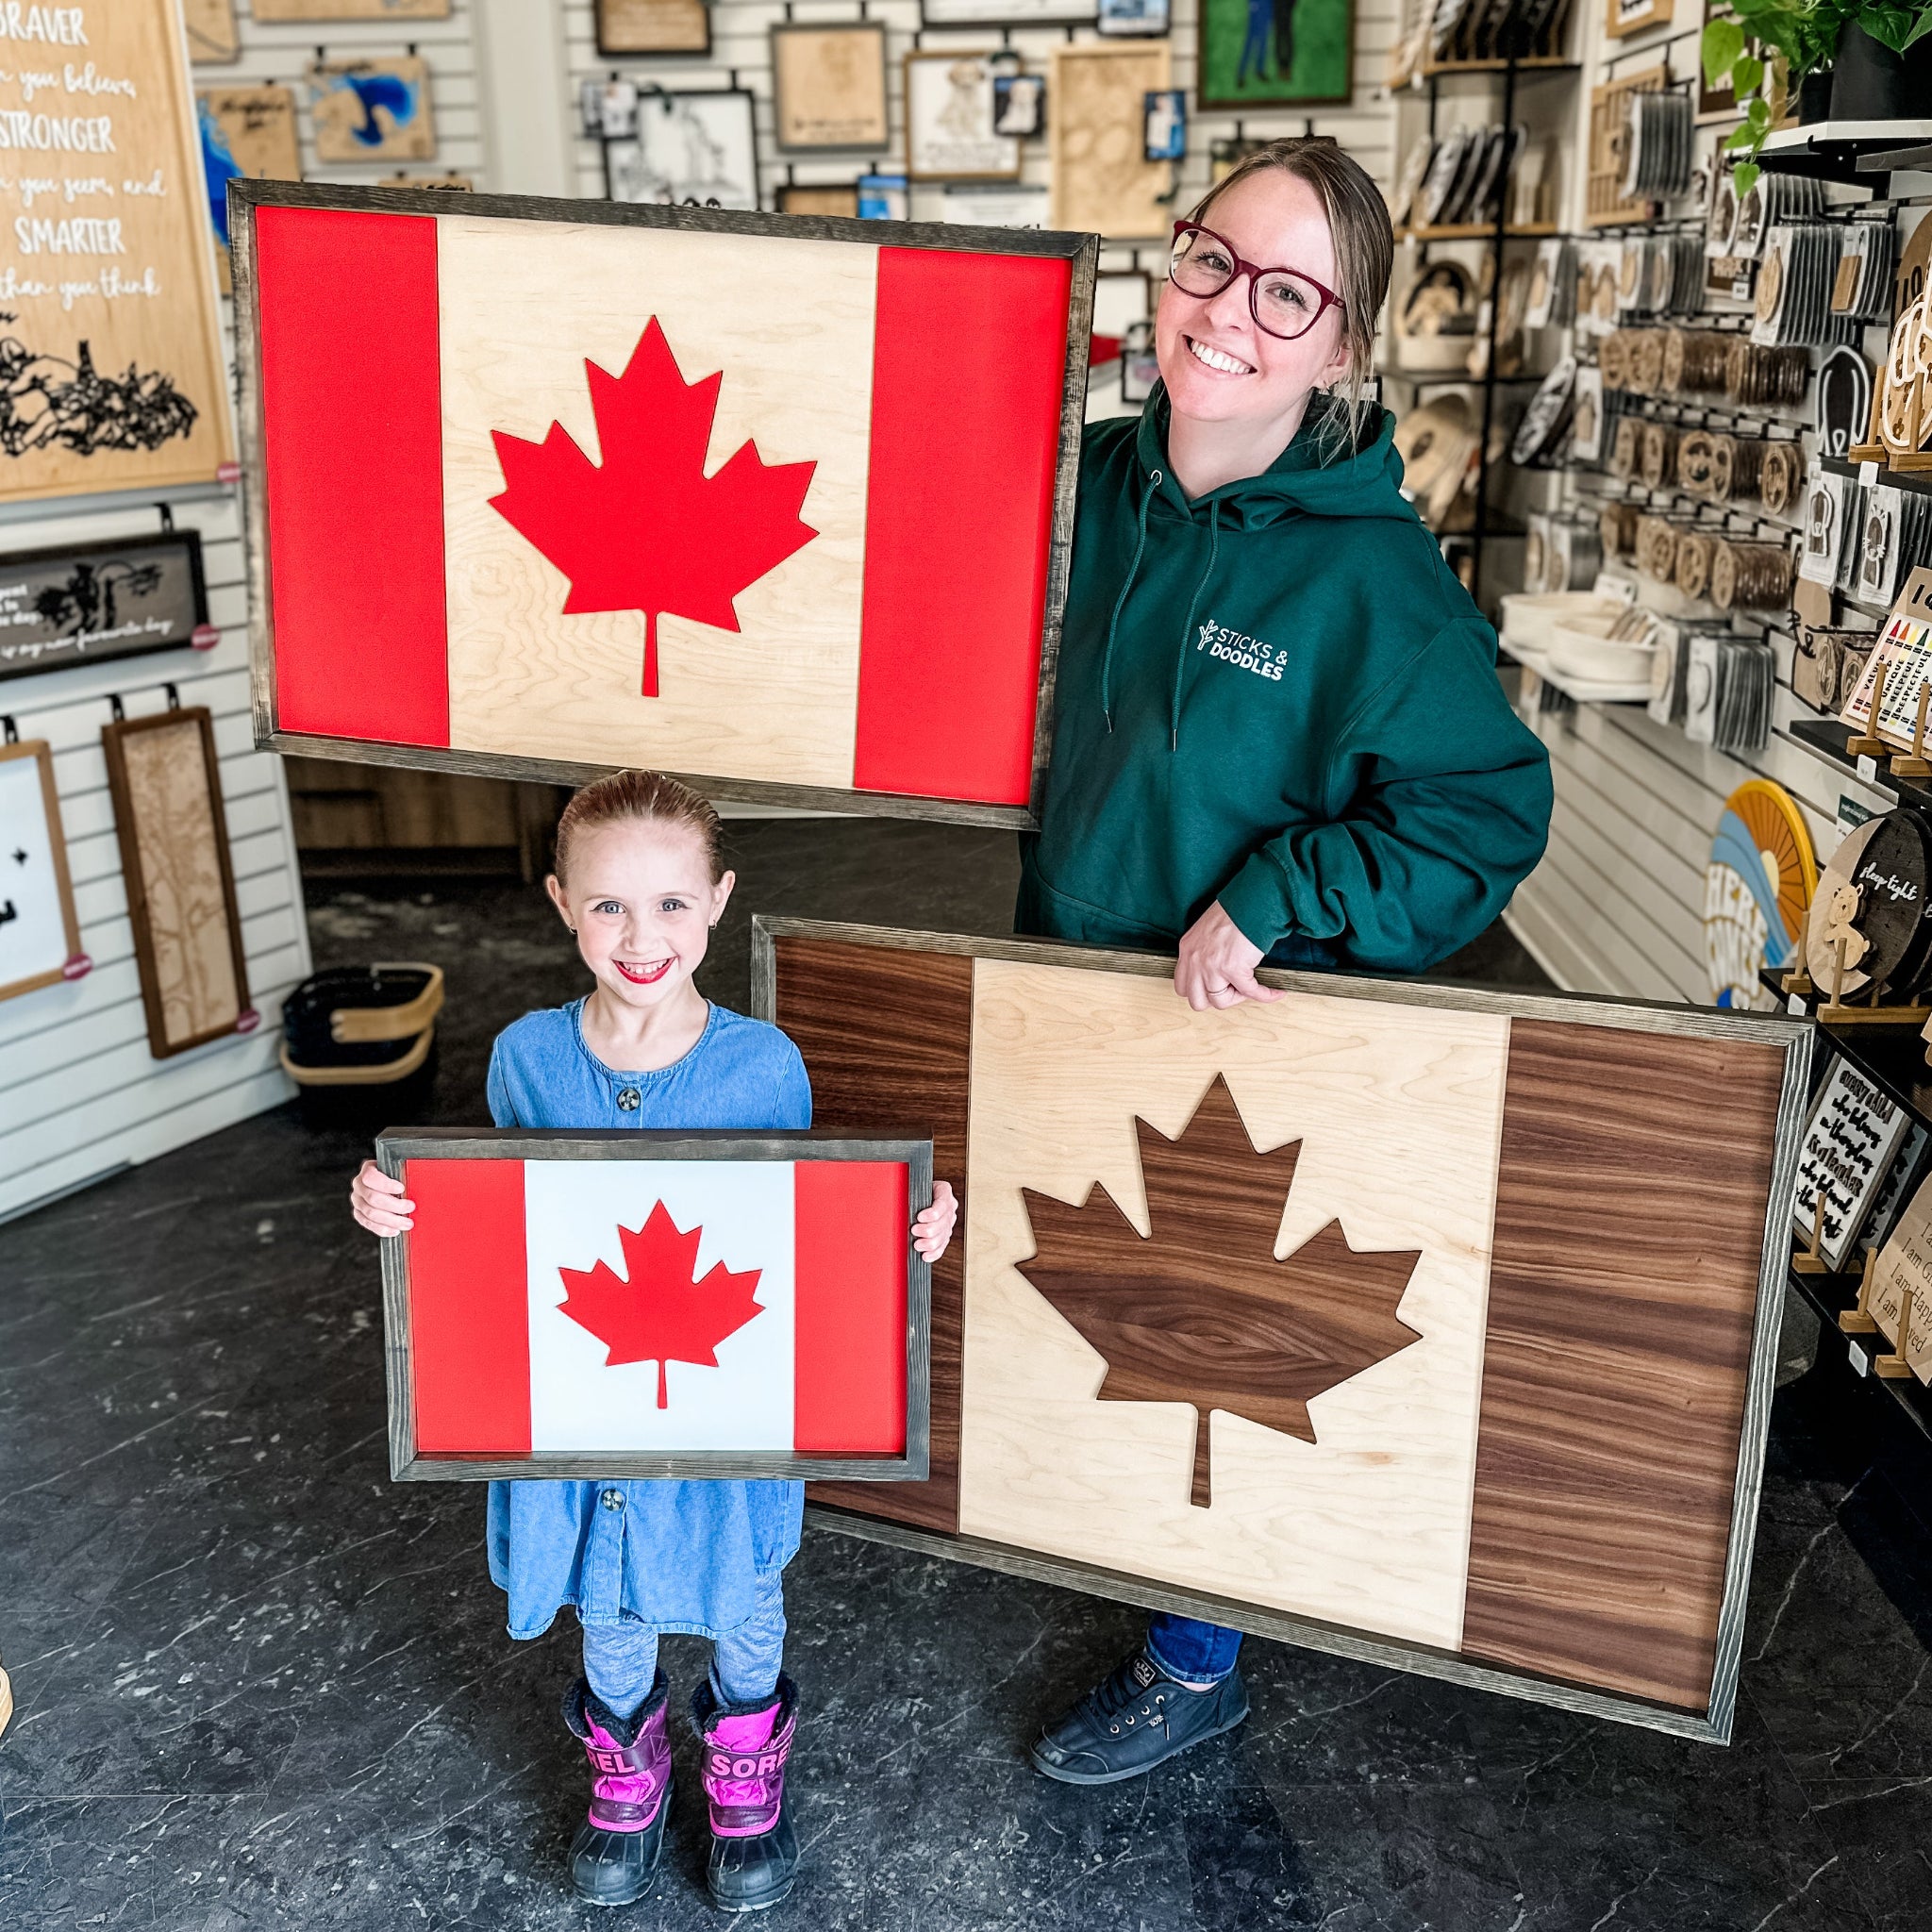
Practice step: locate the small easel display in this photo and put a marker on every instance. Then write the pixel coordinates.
(1849, 1141)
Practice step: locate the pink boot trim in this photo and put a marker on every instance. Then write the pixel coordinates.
(744, 1770)
(629, 1780)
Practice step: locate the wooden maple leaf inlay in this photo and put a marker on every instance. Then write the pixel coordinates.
(1200, 1310)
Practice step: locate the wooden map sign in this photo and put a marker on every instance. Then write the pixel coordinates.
(629, 1305)
(247, 133)
(212, 36)
(80, 602)
(1420, 1324)
(371, 110)
(112, 371)
(623, 519)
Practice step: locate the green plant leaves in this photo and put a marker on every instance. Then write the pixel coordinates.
(1723, 43)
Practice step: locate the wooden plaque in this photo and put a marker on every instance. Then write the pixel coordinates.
(628, 1304)
(371, 110)
(950, 115)
(212, 36)
(653, 26)
(814, 198)
(1101, 180)
(247, 133)
(166, 785)
(39, 936)
(828, 86)
(1426, 1325)
(762, 580)
(111, 369)
(81, 603)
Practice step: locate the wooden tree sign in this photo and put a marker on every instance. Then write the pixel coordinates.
(1424, 1324)
(628, 518)
(112, 371)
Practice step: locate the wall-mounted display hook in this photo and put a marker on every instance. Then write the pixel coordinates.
(173, 697)
(10, 730)
(115, 706)
(167, 516)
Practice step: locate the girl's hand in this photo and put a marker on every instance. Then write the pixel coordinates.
(933, 1229)
(1217, 964)
(377, 1202)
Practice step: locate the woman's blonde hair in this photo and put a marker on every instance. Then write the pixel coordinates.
(1364, 248)
(639, 795)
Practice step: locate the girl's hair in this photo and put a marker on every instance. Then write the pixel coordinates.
(638, 795)
(1364, 247)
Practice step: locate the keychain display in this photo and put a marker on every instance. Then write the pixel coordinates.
(1796, 284)
(1781, 476)
(1657, 164)
(1829, 502)
(1868, 258)
(1750, 577)
(1548, 415)
(1697, 360)
(1757, 374)
(1658, 465)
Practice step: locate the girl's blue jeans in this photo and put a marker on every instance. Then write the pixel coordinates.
(621, 1659)
(1195, 1652)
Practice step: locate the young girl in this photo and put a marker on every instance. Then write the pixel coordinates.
(640, 885)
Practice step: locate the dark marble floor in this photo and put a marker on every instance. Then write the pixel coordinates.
(260, 1687)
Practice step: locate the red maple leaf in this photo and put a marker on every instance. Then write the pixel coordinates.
(657, 1310)
(648, 530)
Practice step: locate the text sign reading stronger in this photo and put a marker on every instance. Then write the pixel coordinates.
(111, 372)
(1430, 1325)
(750, 498)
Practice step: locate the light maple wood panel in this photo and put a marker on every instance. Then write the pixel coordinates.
(789, 324)
(1398, 1111)
(1097, 129)
(1630, 1216)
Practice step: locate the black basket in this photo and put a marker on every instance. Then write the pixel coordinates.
(360, 1042)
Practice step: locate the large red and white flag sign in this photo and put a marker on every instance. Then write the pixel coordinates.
(753, 507)
(630, 1306)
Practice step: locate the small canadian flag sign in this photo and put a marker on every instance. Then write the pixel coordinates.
(658, 1306)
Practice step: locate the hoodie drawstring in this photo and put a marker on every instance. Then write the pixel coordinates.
(1119, 602)
(1180, 661)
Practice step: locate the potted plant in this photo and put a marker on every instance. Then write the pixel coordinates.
(1878, 52)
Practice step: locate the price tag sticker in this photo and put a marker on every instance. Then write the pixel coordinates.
(1868, 474)
(1861, 1363)
(1868, 769)
(1794, 1003)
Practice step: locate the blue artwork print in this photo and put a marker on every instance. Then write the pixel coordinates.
(374, 91)
(220, 167)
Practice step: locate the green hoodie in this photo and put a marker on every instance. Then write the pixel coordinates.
(1277, 696)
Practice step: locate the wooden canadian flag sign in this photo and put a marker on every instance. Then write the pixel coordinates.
(544, 486)
(665, 1314)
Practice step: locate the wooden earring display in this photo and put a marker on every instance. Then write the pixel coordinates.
(1809, 1260)
(1894, 1367)
(1857, 1320)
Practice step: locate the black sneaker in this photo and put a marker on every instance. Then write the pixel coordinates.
(1138, 1717)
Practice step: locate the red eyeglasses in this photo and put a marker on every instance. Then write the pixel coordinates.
(1284, 301)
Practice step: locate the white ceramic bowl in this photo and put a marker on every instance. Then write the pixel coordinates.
(1529, 620)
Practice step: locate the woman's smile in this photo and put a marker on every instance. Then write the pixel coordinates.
(1217, 360)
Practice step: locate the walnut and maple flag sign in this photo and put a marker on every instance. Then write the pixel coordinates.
(546, 488)
(653, 1305)
(1430, 1324)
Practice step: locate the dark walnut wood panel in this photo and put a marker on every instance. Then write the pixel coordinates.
(1631, 1193)
(887, 1037)
(1199, 1310)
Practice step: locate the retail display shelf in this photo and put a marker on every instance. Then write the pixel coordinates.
(1902, 479)
(1829, 1296)
(1585, 690)
(1888, 159)
(1437, 378)
(1838, 150)
(1530, 64)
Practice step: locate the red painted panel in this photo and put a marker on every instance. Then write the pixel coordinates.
(969, 366)
(850, 1221)
(353, 449)
(469, 1306)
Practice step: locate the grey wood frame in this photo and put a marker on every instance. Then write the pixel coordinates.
(1795, 1035)
(1081, 252)
(407, 1465)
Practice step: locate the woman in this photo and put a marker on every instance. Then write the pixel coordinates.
(1278, 735)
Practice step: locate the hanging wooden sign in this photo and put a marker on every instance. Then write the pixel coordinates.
(653, 26)
(371, 110)
(247, 133)
(828, 86)
(632, 1305)
(1427, 1324)
(1900, 1297)
(212, 36)
(1102, 181)
(39, 934)
(111, 369)
(762, 580)
(79, 603)
(166, 784)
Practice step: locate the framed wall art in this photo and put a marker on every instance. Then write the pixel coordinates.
(818, 198)
(636, 1304)
(112, 375)
(212, 36)
(1019, 104)
(80, 602)
(949, 120)
(371, 110)
(882, 198)
(1255, 54)
(1006, 12)
(39, 934)
(1853, 1131)
(1102, 181)
(349, 9)
(828, 86)
(817, 614)
(247, 133)
(166, 784)
(653, 26)
(1133, 18)
(1624, 17)
(1231, 1287)
(995, 205)
(697, 147)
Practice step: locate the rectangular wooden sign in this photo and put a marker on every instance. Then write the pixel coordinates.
(39, 936)
(80, 602)
(627, 1305)
(623, 517)
(111, 369)
(1424, 1324)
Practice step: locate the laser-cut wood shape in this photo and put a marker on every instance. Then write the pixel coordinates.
(1199, 1309)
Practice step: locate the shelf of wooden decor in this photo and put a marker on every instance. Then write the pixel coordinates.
(1835, 1297)
(1528, 64)
(1478, 231)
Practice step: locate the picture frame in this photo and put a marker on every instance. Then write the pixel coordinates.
(882, 198)
(1019, 104)
(1623, 18)
(375, 110)
(662, 29)
(949, 13)
(674, 127)
(994, 204)
(828, 86)
(1239, 54)
(949, 118)
(1165, 124)
(1034, 1455)
(40, 932)
(1121, 298)
(1140, 366)
(486, 1381)
(839, 198)
(165, 780)
(737, 709)
(86, 603)
(1133, 19)
(1102, 181)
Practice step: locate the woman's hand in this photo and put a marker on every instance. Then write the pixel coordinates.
(377, 1202)
(933, 1227)
(1217, 964)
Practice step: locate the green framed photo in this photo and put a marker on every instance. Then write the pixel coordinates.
(1266, 53)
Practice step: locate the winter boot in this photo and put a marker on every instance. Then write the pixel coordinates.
(754, 1848)
(614, 1858)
